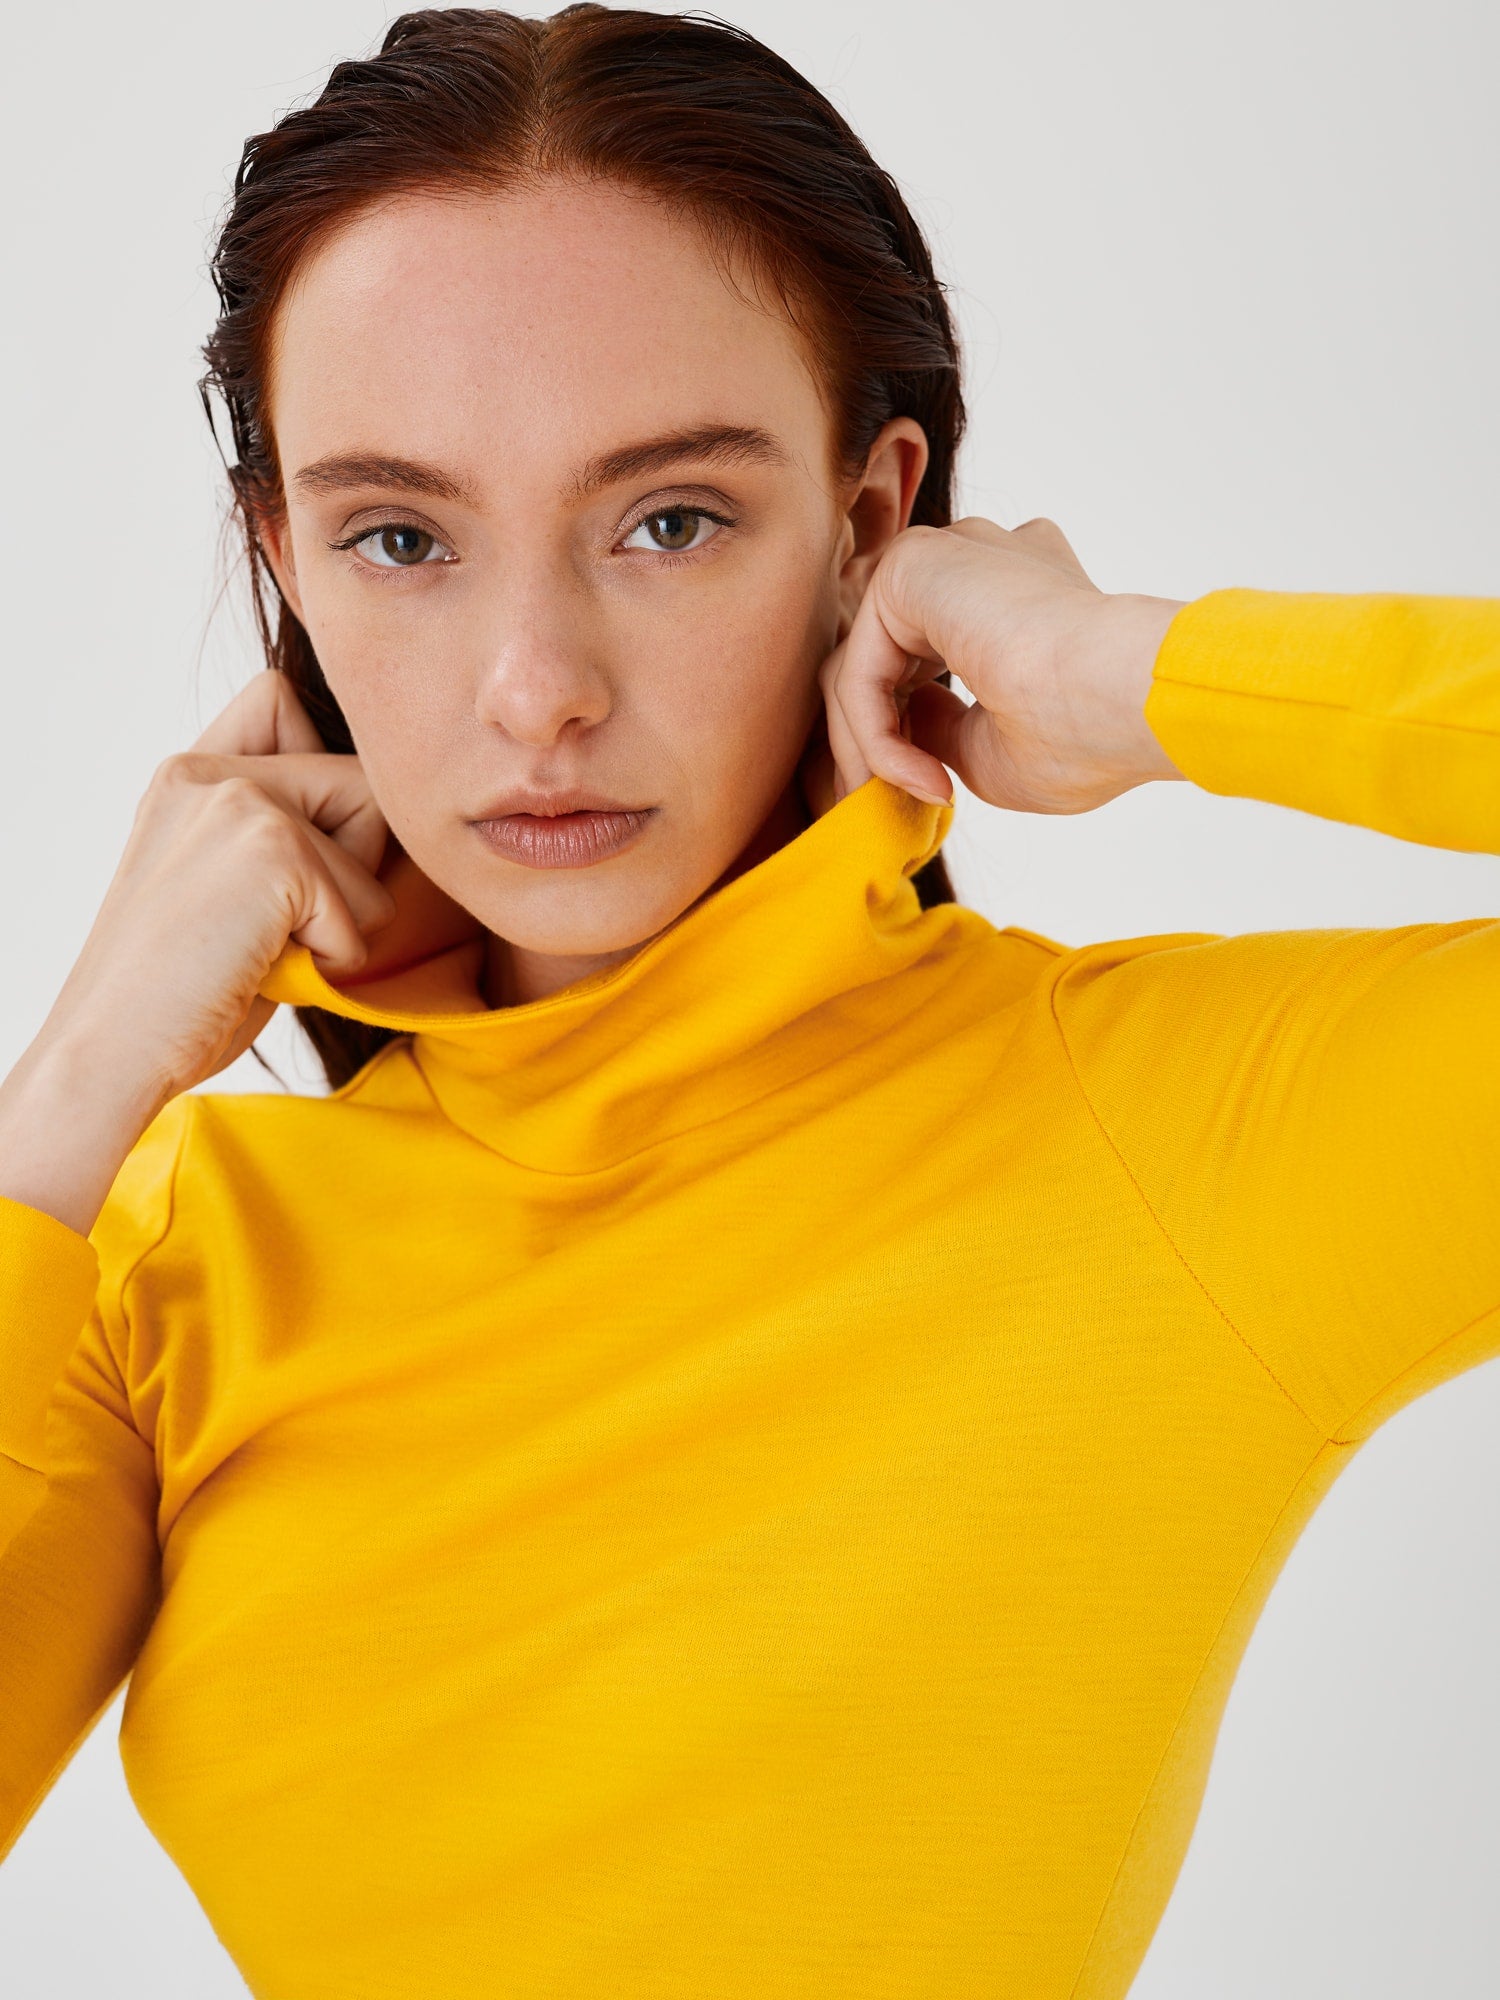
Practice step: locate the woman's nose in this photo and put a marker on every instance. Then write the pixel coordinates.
(543, 675)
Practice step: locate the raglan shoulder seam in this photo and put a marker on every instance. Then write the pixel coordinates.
(1349, 1433)
(1150, 1207)
(158, 1238)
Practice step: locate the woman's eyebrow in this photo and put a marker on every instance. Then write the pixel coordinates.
(343, 472)
(724, 444)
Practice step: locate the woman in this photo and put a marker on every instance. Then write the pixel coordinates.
(737, 1452)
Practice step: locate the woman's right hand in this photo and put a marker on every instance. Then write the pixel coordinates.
(255, 836)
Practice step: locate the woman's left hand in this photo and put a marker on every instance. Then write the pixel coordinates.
(1059, 671)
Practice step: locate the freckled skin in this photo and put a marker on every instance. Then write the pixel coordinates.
(509, 339)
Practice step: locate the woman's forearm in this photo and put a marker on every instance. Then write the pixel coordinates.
(65, 1132)
(1381, 710)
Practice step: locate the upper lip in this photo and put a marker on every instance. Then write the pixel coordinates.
(548, 805)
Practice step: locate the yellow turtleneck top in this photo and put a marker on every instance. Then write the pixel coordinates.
(751, 1477)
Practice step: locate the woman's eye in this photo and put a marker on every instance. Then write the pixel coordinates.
(673, 529)
(400, 547)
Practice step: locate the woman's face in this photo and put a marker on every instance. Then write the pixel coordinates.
(561, 514)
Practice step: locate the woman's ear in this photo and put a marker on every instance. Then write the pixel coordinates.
(275, 542)
(879, 508)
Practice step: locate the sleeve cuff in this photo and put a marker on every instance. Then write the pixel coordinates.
(49, 1276)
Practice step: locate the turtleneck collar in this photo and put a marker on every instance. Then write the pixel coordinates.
(715, 1011)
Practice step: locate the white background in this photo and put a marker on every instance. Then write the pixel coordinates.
(1230, 288)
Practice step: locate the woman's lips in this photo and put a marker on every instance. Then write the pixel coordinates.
(564, 840)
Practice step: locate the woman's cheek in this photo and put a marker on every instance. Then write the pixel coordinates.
(764, 635)
(384, 668)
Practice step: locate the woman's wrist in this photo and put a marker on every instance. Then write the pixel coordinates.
(66, 1130)
(1137, 626)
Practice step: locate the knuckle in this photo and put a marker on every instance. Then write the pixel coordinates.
(907, 551)
(239, 793)
(271, 840)
(1042, 529)
(928, 546)
(920, 536)
(182, 767)
(255, 824)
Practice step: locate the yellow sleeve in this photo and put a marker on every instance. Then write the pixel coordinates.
(1382, 711)
(1313, 1117)
(79, 1559)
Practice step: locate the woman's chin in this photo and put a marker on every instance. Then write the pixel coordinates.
(567, 919)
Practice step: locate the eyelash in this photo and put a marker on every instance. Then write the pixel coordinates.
(666, 558)
(385, 571)
(672, 558)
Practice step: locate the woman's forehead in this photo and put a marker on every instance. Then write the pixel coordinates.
(553, 321)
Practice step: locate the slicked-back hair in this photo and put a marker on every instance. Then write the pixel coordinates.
(685, 108)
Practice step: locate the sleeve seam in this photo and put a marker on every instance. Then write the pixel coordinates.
(1166, 1234)
(149, 1249)
(1423, 1361)
(1329, 707)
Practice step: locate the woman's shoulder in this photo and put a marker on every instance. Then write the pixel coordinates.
(1195, 983)
(1168, 1031)
(208, 1148)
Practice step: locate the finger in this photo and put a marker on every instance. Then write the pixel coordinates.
(264, 718)
(876, 664)
(1039, 539)
(347, 903)
(333, 795)
(940, 723)
(427, 919)
(369, 903)
(328, 790)
(850, 768)
(1044, 538)
(975, 528)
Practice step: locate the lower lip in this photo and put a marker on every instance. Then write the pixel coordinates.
(568, 840)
